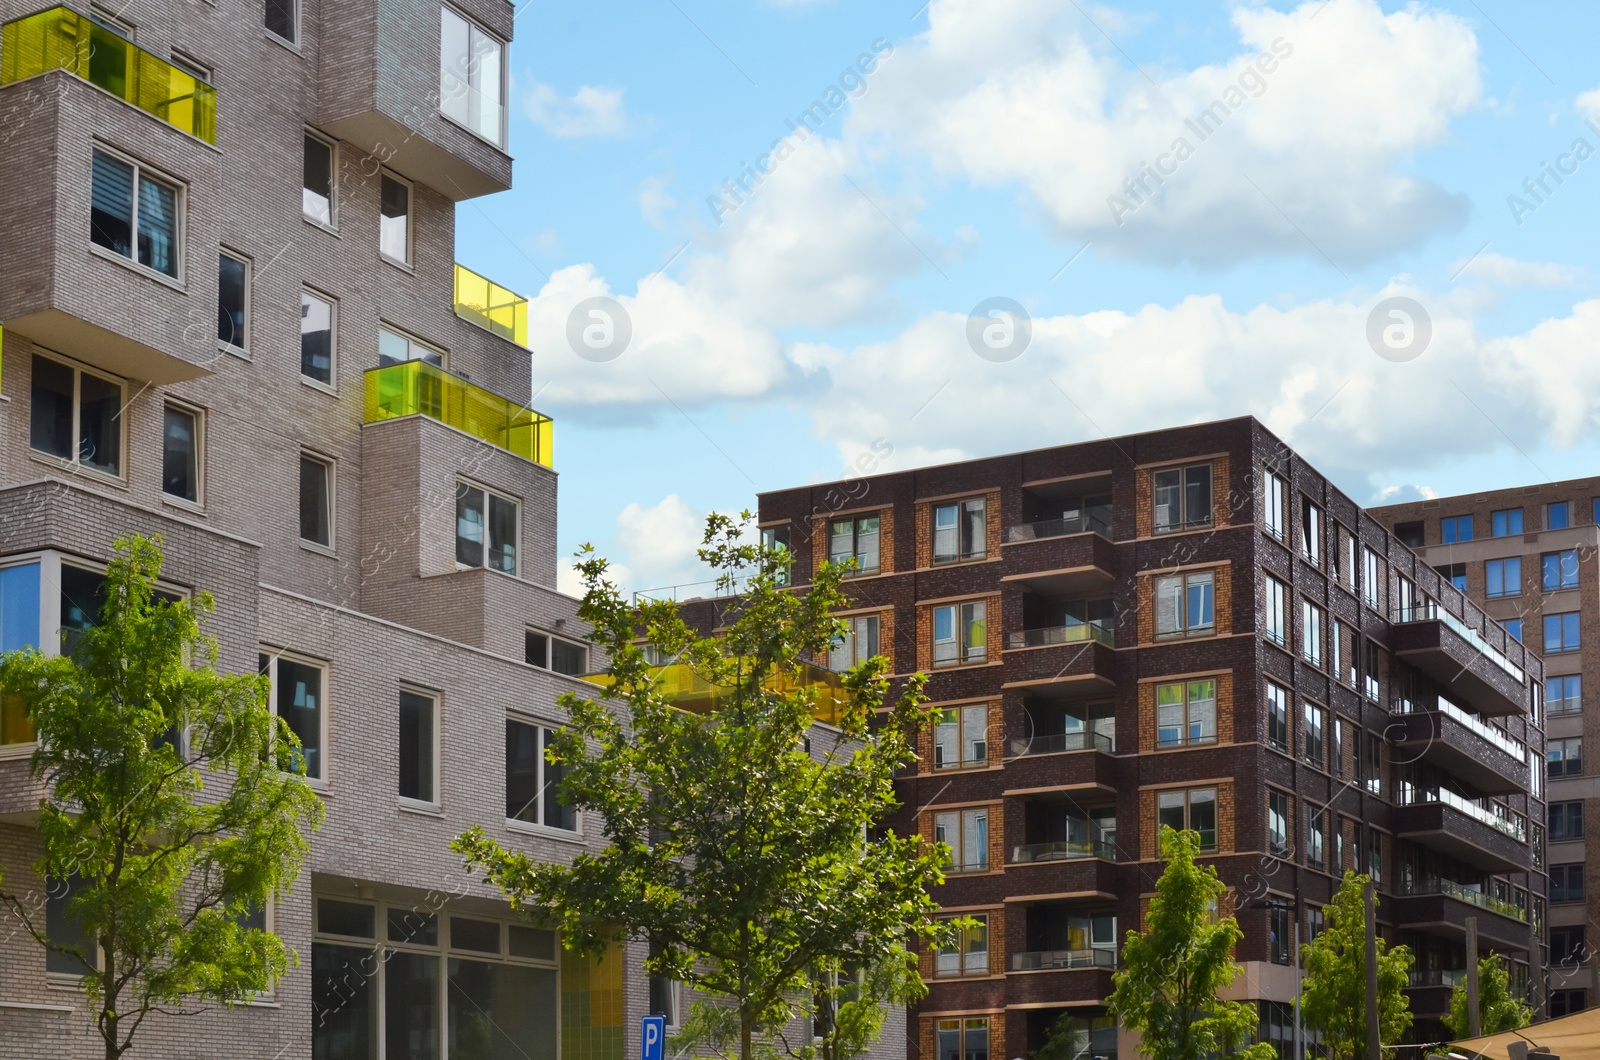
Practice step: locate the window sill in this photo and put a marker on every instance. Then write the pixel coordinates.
(73, 469)
(315, 384)
(321, 550)
(544, 831)
(12, 752)
(287, 45)
(238, 351)
(191, 507)
(133, 266)
(403, 266)
(421, 809)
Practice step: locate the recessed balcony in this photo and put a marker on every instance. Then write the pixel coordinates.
(61, 39)
(417, 388)
(492, 307)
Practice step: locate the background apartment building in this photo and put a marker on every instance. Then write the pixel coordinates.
(1528, 557)
(1188, 627)
(232, 317)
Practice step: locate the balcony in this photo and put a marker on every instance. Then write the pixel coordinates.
(1061, 960)
(1061, 661)
(1066, 850)
(1060, 557)
(1488, 758)
(1451, 824)
(1441, 907)
(1066, 977)
(1077, 633)
(1460, 659)
(490, 306)
(416, 388)
(1059, 743)
(681, 685)
(61, 39)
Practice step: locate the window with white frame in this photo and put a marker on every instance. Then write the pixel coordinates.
(76, 415)
(299, 687)
(961, 737)
(135, 214)
(533, 782)
(71, 951)
(395, 347)
(1275, 610)
(419, 747)
(1186, 712)
(960, 634)
(486, 529)
(858, 644)
(555, 653)
(1274, 504)
(959, 531)
(317, 338)
(1182, 497)
(233, 302)
(1186, 604)
(319, 184)
(664, 1000)
(316, 500)
(182, 452)
(471, 76)
(966, 833)
(394, 219)
(283, 19)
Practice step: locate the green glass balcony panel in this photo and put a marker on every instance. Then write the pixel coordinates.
(61, 39)
(417, 388)
(491, 306)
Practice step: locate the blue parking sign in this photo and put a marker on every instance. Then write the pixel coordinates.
(653, 1037)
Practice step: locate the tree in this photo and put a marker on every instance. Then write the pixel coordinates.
(758, 872)
(1172, 971)
(1333, 997)
(1498, 1009)
(158, 863)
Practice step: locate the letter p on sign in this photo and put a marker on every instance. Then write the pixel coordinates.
(653, 1034)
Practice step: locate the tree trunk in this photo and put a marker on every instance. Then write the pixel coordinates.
(745, 1029)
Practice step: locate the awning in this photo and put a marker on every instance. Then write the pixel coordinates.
(1575, 1037)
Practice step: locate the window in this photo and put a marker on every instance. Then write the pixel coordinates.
(1182, 497)
(959, 531)
(1373, 766)
(1344, 557)
(1344, 740)
(281, 19)
(419, 754)
(1277, 823)
(1311, 633)
(855, 538)
(1186, 604)
(1567, 1002)
(959, 634)
(663, 993)
(233, 302)
(1567, 946)
(1275, 619)
(470, 81)
(316, 500)
(134, 214)
(1503, 577)
(858, 644)
(1405, 598)
(394, 222)
(1564, 758)
(316, 338)
(395, 348)
(966, 833)
(1312, 745)
(1455, 528)
(1277, 716)
(1311, 532)
(1514, 627)
(1274, 505)
(1454, 573)
(553, 653)
(1564, 695)
(1560, 569)
(1505, 523)
(773, 538)
(1566, 883)
(181, 452)
(968, 952)
(20, 606)
(1372, 670)
(318, 190)
(1279, 928)
(1561, 633)
(484, 518)
(1567, 820)
(1371, 577)
(961, 737)
(1375, 855)
(1410, 534)
(533, 782)
(1314, 836)
(297, 698)
(64, 928)
(76, 415)
(966, 1039)
(1195, 809)
(1186, 713)
(1558, 516)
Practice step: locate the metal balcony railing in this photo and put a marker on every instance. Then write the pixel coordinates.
(490, 306)
(1047, 528)
(413, 388)
(1466, 894)
(1065, 850)
(1057, 742)
(61, 39)
(1043, 960)
(1074, 634)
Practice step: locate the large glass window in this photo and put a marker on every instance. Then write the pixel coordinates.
(774, 538)
(858, 644)
(233, 302)
(1564, 758)
(1566, 883)
(855, 538)
(395, 348)
(959, 531)
(316, 338)
(961, 737)
(1311, 532)
(1186, 712)
(1372, 570)
(1277, 716)
(486, 529)
(533, 782)
(1560, 569)
(1455, 528)
(72, 951)
(1315, 829)
(1503, 577)
(959, 634)
(1311, 632)
(316, 500)
(1312, 746)
(1564, 695)
(1186, 604)
(20, 604)
(1505, 523)
(968, 952)
(1561, 633)
(394, 223)
(966, 832)
(1274, 504)
(282, 20)
(180, 453)
(1275, 610)
(76, 415)
(963, 1039)
(297, 698)
(553, 653)
(470, 76)
(318, 188)
(1566, 821)
(1277, 823)
(1558, 515)
(134, 214)
(419, 722)
(1182, 497)
(1195, 809)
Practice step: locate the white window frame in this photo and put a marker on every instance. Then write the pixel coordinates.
(249, 310)
(330, 466)
(516, 533)
(412, 341)
(180, 226)
(437, 699)
(332, 385)
(332, 223)
(325, 709)
(106, 20)
(190, 65)
(411, 217)
(539, 828)
(74, 463)
(499, 141)
(293, 43)
(199, 415)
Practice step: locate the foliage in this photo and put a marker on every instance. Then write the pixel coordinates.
(1334, 994)
(1498, 1009)
(1172, 971)
(755, 870)
(161, 868)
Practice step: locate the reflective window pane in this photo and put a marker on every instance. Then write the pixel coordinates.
(180, 454)
(394, 226)
(50, 428)
(317, 194)
(111, 204)
(316, 514)
(416, 747)
(231, 295)
(99, 423)
(316, 338)
(299, 701)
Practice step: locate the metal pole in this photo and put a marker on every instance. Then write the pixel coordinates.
(1299, 1049)
(1374, 1030)
(1472, 977)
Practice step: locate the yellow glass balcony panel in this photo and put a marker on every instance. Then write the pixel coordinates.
(413, 388)
(491, 306)
(689, 691)
(61, 39)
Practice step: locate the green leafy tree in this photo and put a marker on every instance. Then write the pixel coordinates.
(173, 809)
(753, 868)
(1173, 971)
(1333, 997)
(1498, 1009)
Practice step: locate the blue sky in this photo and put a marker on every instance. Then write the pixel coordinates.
(1356, 151)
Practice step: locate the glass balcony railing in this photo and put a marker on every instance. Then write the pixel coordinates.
(683, 686)
(1463, 893)
(1499, 818)
(1430, 611)
(1062, 527)
(490, 306)
(1490, 733)
(1065, 850)
(61, 39)
(1450, 977)
(1058, 742)
(413, 388)
(1073, 634)
(1052, 960)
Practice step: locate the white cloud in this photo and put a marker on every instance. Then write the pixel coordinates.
(654, 547)
(1402, 494)
(1511, 272)
(655, 201)
(1588, 104)
(590, 112)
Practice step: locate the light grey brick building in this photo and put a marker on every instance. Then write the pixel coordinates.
(322, 414)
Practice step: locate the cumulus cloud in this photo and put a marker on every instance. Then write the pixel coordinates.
(655, 201)
(654, 547)
(1512, 272)
(590, 112)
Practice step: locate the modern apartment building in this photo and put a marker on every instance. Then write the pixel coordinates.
(1189, 627)
(232, 317)
(1527, 557)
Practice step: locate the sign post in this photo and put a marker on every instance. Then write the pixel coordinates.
(653, 1038)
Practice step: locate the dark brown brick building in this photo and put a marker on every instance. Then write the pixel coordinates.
(1189, 626)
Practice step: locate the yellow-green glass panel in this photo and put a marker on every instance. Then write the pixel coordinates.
(61, 39)
(591, 1005)
(687, 690)
(491, 306)
(413, 388)
(15, 725)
